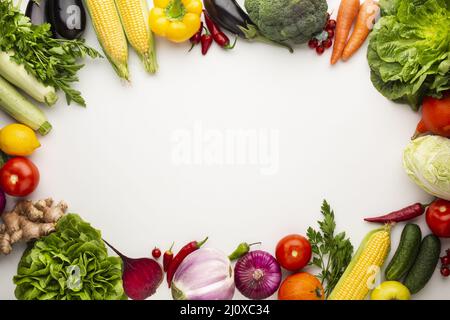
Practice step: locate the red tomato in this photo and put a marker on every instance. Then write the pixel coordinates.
(19, 177)
(436, 116)
(438, 218)
(293, 252)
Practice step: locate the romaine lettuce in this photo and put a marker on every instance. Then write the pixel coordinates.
(409, 50)
(70, 264)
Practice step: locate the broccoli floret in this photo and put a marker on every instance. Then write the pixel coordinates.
(288, 21)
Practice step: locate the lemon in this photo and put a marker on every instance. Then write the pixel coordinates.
(18, 140)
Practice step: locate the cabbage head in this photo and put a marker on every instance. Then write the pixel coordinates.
(427, 162)
(70, 264)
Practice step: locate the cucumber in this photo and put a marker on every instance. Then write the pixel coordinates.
(18, 76)
(13, 103)
(406, 253)
(425, 264)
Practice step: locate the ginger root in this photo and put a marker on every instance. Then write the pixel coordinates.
(29, 220)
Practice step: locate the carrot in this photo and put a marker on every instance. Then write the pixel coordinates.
(348, 10)
(364, 23)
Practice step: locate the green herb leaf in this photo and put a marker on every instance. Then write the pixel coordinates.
(331, 253)
(52, 61)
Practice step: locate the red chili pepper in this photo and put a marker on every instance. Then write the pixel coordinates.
(404, 214)
(167, 258)
(206, 41)
(181, 255)
(196, 38)
(219, 37)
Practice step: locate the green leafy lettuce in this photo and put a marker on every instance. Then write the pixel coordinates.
(70, 264)
(409, 50)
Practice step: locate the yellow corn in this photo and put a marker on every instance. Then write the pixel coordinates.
(360, 275)
(134, 16)
(110, 34)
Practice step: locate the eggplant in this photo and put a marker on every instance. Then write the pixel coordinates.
(67, 18)
(36, 12)
(230, 16)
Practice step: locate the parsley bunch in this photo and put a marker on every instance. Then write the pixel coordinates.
(331, 253)
(52, 61)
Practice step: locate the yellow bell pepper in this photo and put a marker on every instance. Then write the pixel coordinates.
(177, 20)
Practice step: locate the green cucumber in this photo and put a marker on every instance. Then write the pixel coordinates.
(406, 253)
(425, 264)
(18, 76)
(13, 103)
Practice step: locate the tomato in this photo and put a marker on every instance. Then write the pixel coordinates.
(436, 116)
(438, 218)
(301, 286)
(293, 252)
(19, 177)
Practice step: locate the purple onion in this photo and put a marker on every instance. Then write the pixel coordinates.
(2, 201)
(205, 274)
(257, 275)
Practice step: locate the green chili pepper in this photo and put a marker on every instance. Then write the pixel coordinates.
(241, 250)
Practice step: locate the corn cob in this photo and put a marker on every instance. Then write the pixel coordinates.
(134, 17)
(360, 274)
(110, 34)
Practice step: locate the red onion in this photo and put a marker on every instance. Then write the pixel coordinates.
(257, 275)
(141, 277)
(2, 202)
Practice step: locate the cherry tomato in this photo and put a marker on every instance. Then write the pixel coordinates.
(293, 252)
(438, 218)
(19, 177)
(156, 253)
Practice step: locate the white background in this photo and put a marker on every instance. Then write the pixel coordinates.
(339, 139)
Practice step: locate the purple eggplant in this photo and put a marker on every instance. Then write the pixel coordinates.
(67, 18)
(36, 12)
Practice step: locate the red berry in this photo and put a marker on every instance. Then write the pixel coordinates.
(156, 253)
(445, 260)
(313, 43)
(327, 43)
(320, 50)
(330, 33)
(331, 24)
(445, 272)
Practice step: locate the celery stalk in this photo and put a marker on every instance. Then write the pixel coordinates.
(18, 107)
(21, 78)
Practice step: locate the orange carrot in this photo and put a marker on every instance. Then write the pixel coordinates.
(348, 10)
(364, 23)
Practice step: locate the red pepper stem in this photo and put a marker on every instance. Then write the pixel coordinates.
(201, 243)
(424, 206)
(171, 247)
(228, 46)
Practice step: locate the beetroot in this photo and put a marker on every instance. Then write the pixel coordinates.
(141, 277)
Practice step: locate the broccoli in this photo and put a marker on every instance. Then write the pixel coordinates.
(288, 21)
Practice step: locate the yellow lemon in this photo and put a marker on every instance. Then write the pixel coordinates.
(18, 140)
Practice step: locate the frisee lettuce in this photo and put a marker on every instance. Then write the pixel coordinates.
(70, 264)
(409, 50)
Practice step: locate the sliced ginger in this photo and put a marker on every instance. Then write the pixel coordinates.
(29, 220)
